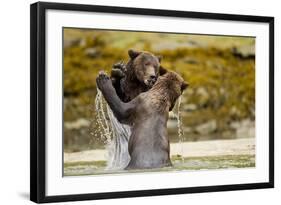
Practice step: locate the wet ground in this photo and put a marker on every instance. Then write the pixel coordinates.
(179, 164)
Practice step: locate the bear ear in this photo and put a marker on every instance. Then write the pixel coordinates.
(184, 85)
(133, 53)
(162, 70)
(159, 58)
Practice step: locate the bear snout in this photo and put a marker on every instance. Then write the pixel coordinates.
(150, 82)
(152, 77)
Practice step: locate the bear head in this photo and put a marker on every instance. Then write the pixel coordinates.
(144, 67)
(171, 85)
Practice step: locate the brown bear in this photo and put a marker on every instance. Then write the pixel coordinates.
(147, 114)
(137, 76)
(129, 80)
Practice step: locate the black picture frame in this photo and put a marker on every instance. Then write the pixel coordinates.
(38, 100)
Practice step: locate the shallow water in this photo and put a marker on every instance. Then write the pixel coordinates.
(114, 134)
(194, 163)
(179, 126)
(118, 154)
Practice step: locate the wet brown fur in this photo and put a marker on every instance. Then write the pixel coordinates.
(148, 115)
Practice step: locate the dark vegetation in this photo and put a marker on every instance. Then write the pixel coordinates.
(220, 71)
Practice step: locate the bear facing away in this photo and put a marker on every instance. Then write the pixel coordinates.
(147, 114)
(137, 76)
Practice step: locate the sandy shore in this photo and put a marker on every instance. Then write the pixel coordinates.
(187, 149)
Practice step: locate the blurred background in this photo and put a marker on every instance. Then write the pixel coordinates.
(219, 104)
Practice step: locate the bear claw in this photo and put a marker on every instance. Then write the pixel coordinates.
(102, 79)
(120, 66)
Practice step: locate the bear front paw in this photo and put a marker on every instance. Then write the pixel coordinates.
(120, 66)
(102, 80)
(118, 72)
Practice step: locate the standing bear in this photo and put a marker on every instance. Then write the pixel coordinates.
(147, 114)
(129, 80)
